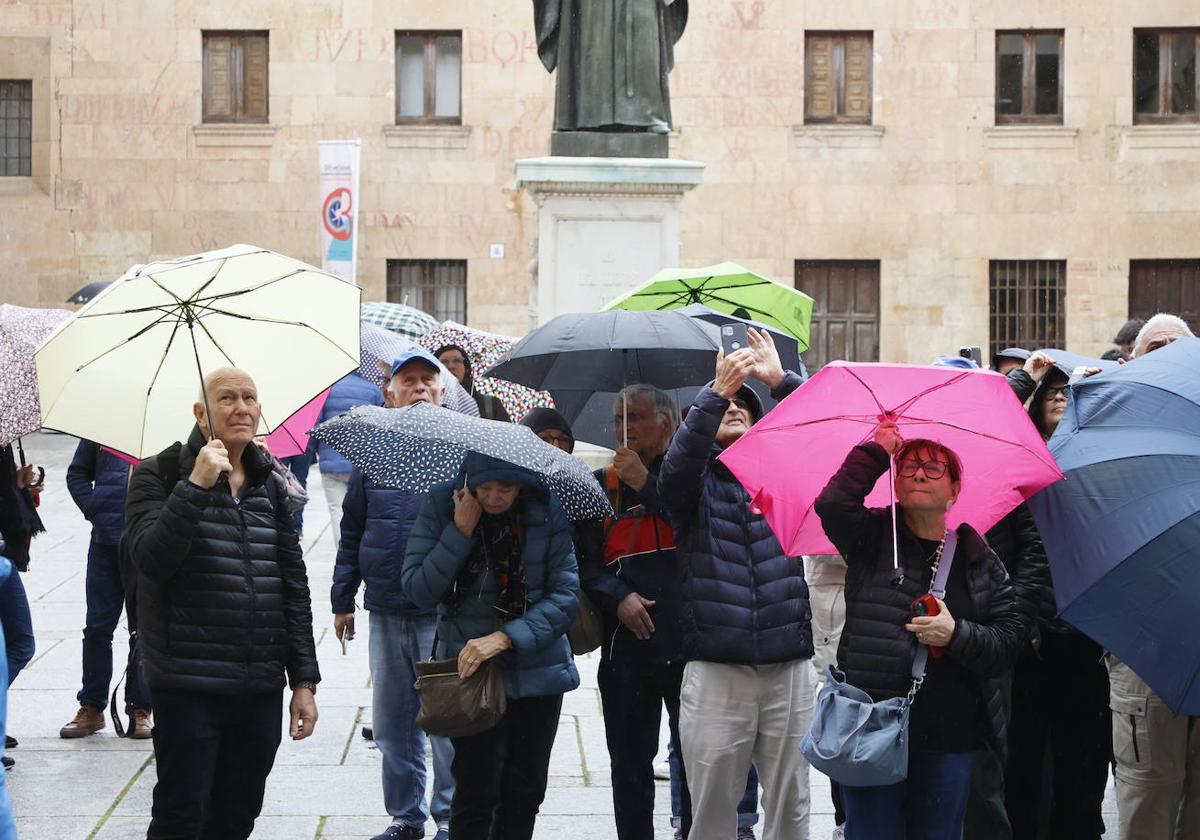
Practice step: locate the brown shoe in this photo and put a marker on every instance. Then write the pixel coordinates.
(139, 724)
(88, 721)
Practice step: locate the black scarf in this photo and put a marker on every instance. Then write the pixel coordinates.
(497, 549)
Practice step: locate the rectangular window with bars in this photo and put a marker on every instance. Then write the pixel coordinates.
(837, 77)
(234, 77)
(1166, 86)
(1029, 77)
(16, 127)
(428, 77)
(438, 287)
(1026, 301)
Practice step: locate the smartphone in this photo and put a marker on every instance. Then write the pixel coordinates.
(733, 338)
(342, 638)
(975, 354)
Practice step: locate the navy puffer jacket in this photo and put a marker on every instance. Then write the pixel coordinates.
(376, 523)
(349, 391)
(98, 481)
(744, 601)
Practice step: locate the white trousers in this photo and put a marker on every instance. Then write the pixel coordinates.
(335, 491)
(735, 715)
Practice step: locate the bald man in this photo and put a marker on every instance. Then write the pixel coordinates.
(224, 616)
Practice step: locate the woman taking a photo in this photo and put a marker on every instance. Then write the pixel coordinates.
(495, 557)
(959, 708)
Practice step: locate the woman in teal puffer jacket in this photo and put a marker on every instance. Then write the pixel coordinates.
(497, 560)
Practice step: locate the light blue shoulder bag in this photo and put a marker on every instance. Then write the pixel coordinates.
(856, 741)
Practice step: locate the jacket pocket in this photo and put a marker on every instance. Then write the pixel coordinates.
(1131, 735)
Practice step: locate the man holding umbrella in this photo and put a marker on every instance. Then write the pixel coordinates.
(747, 692)
(376, 523)
(224, 616)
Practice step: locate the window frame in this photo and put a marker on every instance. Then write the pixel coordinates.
(838, 69)
(1023, 313)
(24, 163)
(430, 86)
(1165, 47)
(1028, 115)
(429, 267)
(237, 63)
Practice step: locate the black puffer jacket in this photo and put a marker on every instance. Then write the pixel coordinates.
(876, 652)
(223, 601)
(744, 600)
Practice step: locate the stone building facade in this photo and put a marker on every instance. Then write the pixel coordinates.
(856, 147)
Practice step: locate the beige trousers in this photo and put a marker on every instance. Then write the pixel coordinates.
(335, 485)
(731, 716)
(1158, 761)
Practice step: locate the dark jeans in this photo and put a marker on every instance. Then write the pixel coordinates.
(105, 600)
(18, 624)
(1059, 741)
(633, 695)
(747, 810)
(930, 804)
(500, 775)
(213, 754)
(987, 813)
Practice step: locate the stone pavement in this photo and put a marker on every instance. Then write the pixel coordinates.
(325, 787)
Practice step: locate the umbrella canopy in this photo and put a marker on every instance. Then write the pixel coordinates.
(423, 445)
(1121, 529)
(398, 318)
(291, 438)
(1067, 361)
(86, 293)
(729, 288)
(584, 359)
(788, 457)
(485, 349)
(21, 331)
(138, 349)
(380, 348)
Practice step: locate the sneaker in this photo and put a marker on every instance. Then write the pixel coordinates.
(7, 761)
(399, 831)
(368, 732)
(443, 833)
(746, 833)
(139, 724)
(10, 742)
(88, 721)
(839, 833)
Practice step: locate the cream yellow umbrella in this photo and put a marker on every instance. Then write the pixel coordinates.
(126, 369)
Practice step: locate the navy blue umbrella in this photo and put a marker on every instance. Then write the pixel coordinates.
(1122, 530)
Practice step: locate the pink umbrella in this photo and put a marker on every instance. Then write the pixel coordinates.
(788, 457)
(291, 438)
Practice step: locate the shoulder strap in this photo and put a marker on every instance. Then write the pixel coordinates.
(938, 590)
(168, 466)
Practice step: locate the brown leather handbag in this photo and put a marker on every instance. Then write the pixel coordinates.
(587, 629)
(454, 707)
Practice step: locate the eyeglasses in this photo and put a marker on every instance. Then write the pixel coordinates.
(1054, 393)
(933, 469)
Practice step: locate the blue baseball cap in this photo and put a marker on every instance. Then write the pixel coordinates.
(956, 362)
(415, 354)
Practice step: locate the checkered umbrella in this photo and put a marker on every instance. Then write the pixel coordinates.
(418, 447)
(398, 318)
(485, 349)
(21, 331)
(379, 348)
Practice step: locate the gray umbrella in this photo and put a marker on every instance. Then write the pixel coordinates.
(418, 447)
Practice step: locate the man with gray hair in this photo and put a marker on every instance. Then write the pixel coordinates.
(1157, 752)
(630, 573)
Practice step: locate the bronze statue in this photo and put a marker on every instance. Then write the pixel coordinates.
(612, 57)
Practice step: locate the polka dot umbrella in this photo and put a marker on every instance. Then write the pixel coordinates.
(423, 445)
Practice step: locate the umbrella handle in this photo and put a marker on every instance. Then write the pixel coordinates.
(895, 530)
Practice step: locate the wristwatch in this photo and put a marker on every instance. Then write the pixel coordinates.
(309, 684)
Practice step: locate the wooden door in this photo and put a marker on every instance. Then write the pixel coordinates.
(1165, 286)
(845, 322)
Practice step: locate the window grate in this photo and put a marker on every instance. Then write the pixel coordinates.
(1026, 304)
(16, 127)
(438, 287)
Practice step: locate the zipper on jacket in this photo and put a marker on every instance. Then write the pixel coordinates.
(246, 570)
(753, 587)
(1137, 755)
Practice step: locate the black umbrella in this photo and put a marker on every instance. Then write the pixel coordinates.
(89, 291)
(423, 445)
(585, 358)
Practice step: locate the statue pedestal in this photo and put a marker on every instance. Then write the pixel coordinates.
(605, 224)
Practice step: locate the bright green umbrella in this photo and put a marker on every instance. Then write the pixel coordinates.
(726, 287)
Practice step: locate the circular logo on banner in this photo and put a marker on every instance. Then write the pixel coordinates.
(336, 213)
